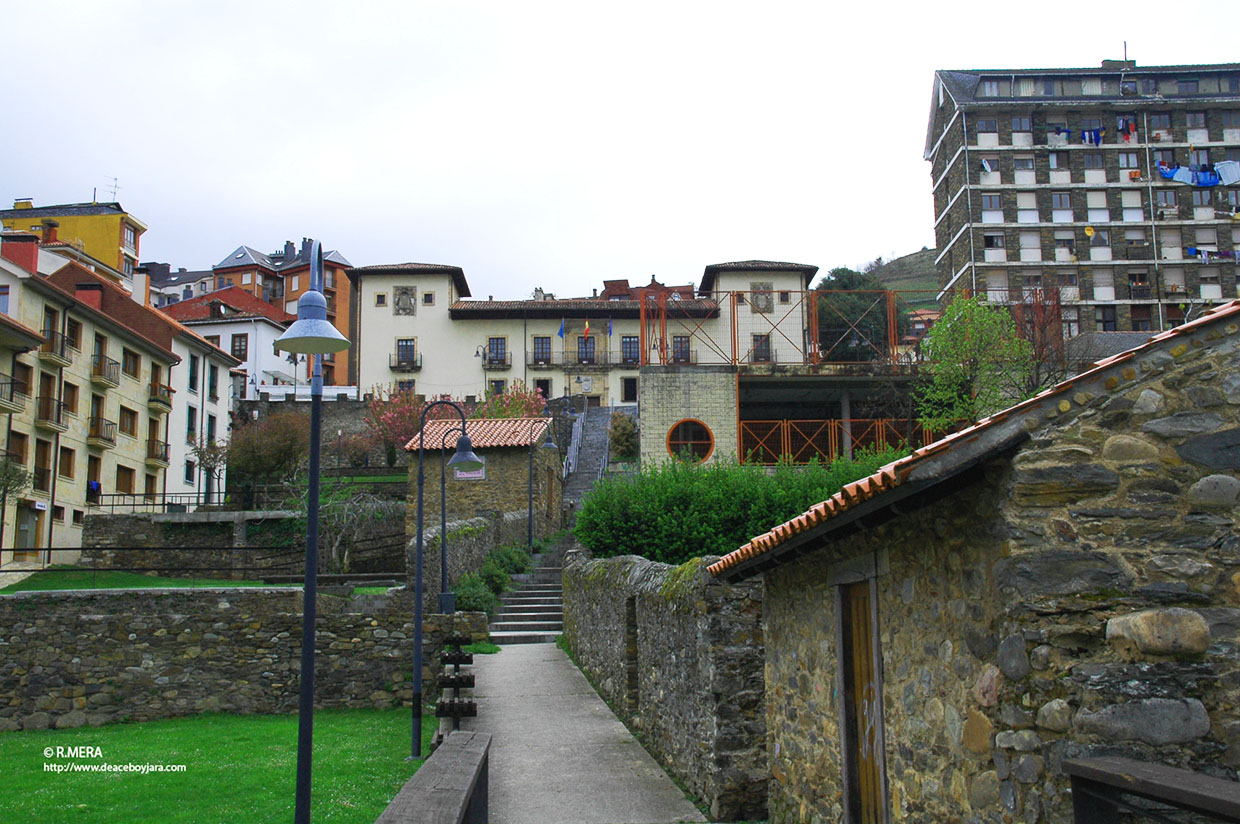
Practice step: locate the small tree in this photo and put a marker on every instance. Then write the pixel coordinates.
(269, 450)
(212, 457)
(14, 478)
(977, 364)
(394, 415)
(622, 437)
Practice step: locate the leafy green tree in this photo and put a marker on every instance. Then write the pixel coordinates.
(976, 364)
(14, 478)
(270, 449)
(853, 322)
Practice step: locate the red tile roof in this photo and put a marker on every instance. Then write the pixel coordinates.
(242, 302)
(115, 304)
(897, 472)
(485, 433)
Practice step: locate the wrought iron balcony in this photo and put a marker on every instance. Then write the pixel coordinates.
(56, 348)
(104, 370)
(50, 414)
(492, 360)
(101, 432)
(12, 394)
(405, 361)
(157, 452)
(159, 396)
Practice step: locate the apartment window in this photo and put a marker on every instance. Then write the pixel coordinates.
(585, 350)
(213, 381)
(1195, 120)
(785, 297)
(543, 387)
(1231, 154)
(989, 125)
(1065, 239)
(542, 349)
(4, 300)
(1233, 198)
(1166, 197)
(1127, 87)
(988, 88)
(428, 298)
(1104, 318)
(991, 203)
(79, 517)
(762, 348)
(993, 240)
(406, 350)
(241, 346)
(191, 425)
(124, 479)
(65, 464)
(381, 299)
(245, 279)
(1128, 160)
(1186, 86)
(1102, 237)
(1199, 157)
(1091, 123)
(128, 423)
(497, 350)
(628, 390)
(1160, 121)
(1022, 163)
(329, 281)
(191, 472)
(1149, 85)
(1141, 320)
(131, 238)
(497, 387)
(214, 340)
(58, 513)
(1048, 87)
(1021, 123)
(17, 447)
(1061, 200)
(193, 372)
(1230, 118)
(131, 363)
(1058, 160)
(1092, 160)
(1071, 316)
(73, 333)
(294, 283)
(680, 349)
(690, 439)
(210, 429)
(69, 397)
(1201, 197)
(630, 349)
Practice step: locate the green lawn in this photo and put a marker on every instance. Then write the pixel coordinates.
(238, 768)
(67, 577)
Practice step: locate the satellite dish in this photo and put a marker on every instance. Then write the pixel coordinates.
(1089, 231)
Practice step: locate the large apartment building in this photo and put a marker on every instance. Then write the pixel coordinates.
(1111, 192)
(105, 231)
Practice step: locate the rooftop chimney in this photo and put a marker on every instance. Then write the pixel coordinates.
(23, 203)
(21, 248)
(90, 294)
(290, 251)
(1119, 65)
(49, 230)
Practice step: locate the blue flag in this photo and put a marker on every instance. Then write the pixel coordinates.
(609, 327)
(561, 332)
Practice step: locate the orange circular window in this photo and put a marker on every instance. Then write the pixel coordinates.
(690, 439)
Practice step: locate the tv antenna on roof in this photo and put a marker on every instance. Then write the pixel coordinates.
(115, 188)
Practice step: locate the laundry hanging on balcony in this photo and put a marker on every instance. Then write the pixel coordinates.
(1207, 255)
(1126, 127)
(1093, 137)
(1225, 173)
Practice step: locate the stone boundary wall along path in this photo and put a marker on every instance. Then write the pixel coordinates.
(74, 658)
(679, 656)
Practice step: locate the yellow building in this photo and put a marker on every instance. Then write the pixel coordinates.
(105, 231)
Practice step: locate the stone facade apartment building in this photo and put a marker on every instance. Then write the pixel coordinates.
(1110, 193)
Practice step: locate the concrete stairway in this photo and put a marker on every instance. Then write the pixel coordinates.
(534, 612)
(592, 456)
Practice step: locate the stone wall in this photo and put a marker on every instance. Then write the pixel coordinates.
(504, 489)
(679, 656)
(68, 659)
(469, 543)
(669, 394)
(1080, 596)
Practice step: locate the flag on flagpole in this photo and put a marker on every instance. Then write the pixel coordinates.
(587, 327)
(561, 332)
(609, 327)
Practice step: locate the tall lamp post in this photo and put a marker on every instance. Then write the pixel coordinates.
(310, 334)
(447, 600)
(465, 459)
(549, 443)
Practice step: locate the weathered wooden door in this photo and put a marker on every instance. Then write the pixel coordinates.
(862, 706)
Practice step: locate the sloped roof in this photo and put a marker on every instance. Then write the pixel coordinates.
(245, 256)
(242, 303)
(72, 209)
(712, 271)
(249, 256)
(484, 433)
(116, 306)
(456, 272)
(942, 459)
(593, 308)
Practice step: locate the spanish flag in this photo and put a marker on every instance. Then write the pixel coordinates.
(587, 327)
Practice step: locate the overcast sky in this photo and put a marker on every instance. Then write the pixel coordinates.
(533, 144)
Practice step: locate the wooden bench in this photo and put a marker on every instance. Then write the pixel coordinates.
(1098, 783)
(449, 788)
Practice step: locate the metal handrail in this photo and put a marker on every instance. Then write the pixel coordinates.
(101, 366)
(102, 428)
(574, 445)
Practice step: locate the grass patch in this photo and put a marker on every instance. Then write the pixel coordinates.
(481, 648)
(238, 768)
(370, 590)
(70, 577)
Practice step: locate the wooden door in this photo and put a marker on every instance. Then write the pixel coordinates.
(863, 757)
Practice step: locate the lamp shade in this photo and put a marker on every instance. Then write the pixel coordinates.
(549, 443)
(464, 458)
(311, 333)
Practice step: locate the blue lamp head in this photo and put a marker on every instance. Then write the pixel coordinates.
(311, 333)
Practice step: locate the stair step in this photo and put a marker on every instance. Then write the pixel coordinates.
(533, 618)
(527, 626)
(532, 609)
(503, 638)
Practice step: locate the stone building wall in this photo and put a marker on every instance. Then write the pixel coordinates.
(1081, 597)
(679, 656)
(670, 394)
(504, 489)
(69, 659)
(469, 543)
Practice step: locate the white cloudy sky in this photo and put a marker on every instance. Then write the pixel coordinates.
(532, 143)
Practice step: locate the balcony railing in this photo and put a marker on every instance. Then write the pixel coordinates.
(50, 411)
(405, 361)
(160, 394)
(491, 360)
(101, 429)
(105, 370)
(1140, 291)
(683, 356)
(157, 451)
(12, 393)
(56, 347)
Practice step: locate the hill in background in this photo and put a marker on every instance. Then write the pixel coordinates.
(911, 273)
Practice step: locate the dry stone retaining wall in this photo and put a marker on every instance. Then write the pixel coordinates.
(679, 655)
(74, 658)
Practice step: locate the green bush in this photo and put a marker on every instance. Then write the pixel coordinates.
(677, 510)
(473, 595)
(513, 559)
(622, 436)
(493, 575)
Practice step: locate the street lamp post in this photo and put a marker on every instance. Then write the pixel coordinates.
(464, 458)
(447, 600)
(310, 334)
(549, 443)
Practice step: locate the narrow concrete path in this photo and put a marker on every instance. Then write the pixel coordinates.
(558, 754)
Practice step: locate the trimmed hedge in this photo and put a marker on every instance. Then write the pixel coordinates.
(677, 511)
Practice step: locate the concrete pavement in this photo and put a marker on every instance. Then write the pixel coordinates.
(558, 754)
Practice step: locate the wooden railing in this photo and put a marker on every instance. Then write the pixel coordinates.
(1110, 789)
(801, 441)
(449, 788)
